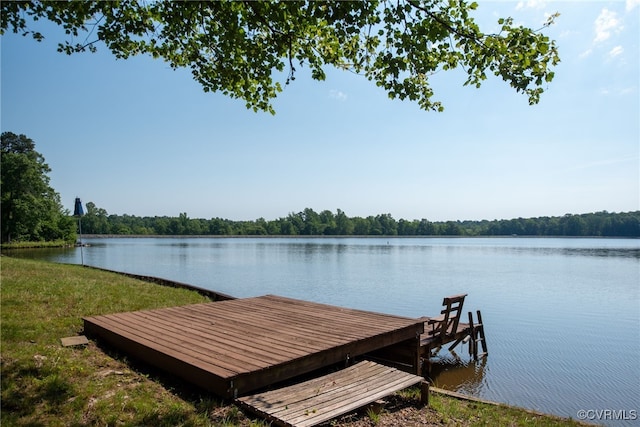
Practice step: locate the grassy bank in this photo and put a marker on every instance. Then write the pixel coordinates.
(29, 245)
(44, 383)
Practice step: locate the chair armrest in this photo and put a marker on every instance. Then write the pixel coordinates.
(434, 320)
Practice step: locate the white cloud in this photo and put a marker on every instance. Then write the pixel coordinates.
(616, 51)
(604, 162)
(618, 91)
(586, 53)
(566, 33)
(337, 94)
(531, 4)
(605, 23)
(632, 4)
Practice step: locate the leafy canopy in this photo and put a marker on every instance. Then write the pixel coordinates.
(249, 49)
(31, 209)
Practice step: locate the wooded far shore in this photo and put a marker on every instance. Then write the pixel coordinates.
(326, 223)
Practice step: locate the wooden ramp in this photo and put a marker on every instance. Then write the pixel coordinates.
(321, 399)
(239, 346)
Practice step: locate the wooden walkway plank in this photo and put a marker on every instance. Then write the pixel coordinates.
(106, 324)
(202, 346)
(314, 330)
(204, 375)
(216, 333)
(176, 340)
(356, 319)
(285, 329)
(293, 402)
(321, 399)
(301, 320)
(235, 330)
(270, 320)
(149, 326)
(287, 393)
(360, 320)
(348, 395)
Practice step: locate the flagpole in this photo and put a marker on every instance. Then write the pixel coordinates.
(78, 211)
(81, 245)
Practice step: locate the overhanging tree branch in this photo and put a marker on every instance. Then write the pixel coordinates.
(238, 48)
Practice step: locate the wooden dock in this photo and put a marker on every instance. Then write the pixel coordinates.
(243, 345)
(320, 399)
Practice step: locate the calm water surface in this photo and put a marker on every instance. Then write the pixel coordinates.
(562, 316)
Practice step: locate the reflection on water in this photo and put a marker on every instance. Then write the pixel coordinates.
(459, 373)
(610, 252)
(61, 255)
(604, 252)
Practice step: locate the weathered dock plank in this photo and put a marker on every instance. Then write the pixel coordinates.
(321, 399)
(237, 346)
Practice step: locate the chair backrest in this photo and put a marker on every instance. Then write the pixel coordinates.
(451, 312)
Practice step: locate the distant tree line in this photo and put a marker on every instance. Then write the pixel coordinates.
(326, 223)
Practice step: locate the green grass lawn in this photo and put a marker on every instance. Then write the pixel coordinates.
(44, 383)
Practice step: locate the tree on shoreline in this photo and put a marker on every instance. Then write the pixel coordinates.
(31, 209)
(250, 49)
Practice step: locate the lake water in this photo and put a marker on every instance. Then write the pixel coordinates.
(562, 316)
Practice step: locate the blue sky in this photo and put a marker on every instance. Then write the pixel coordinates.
(138, 138)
